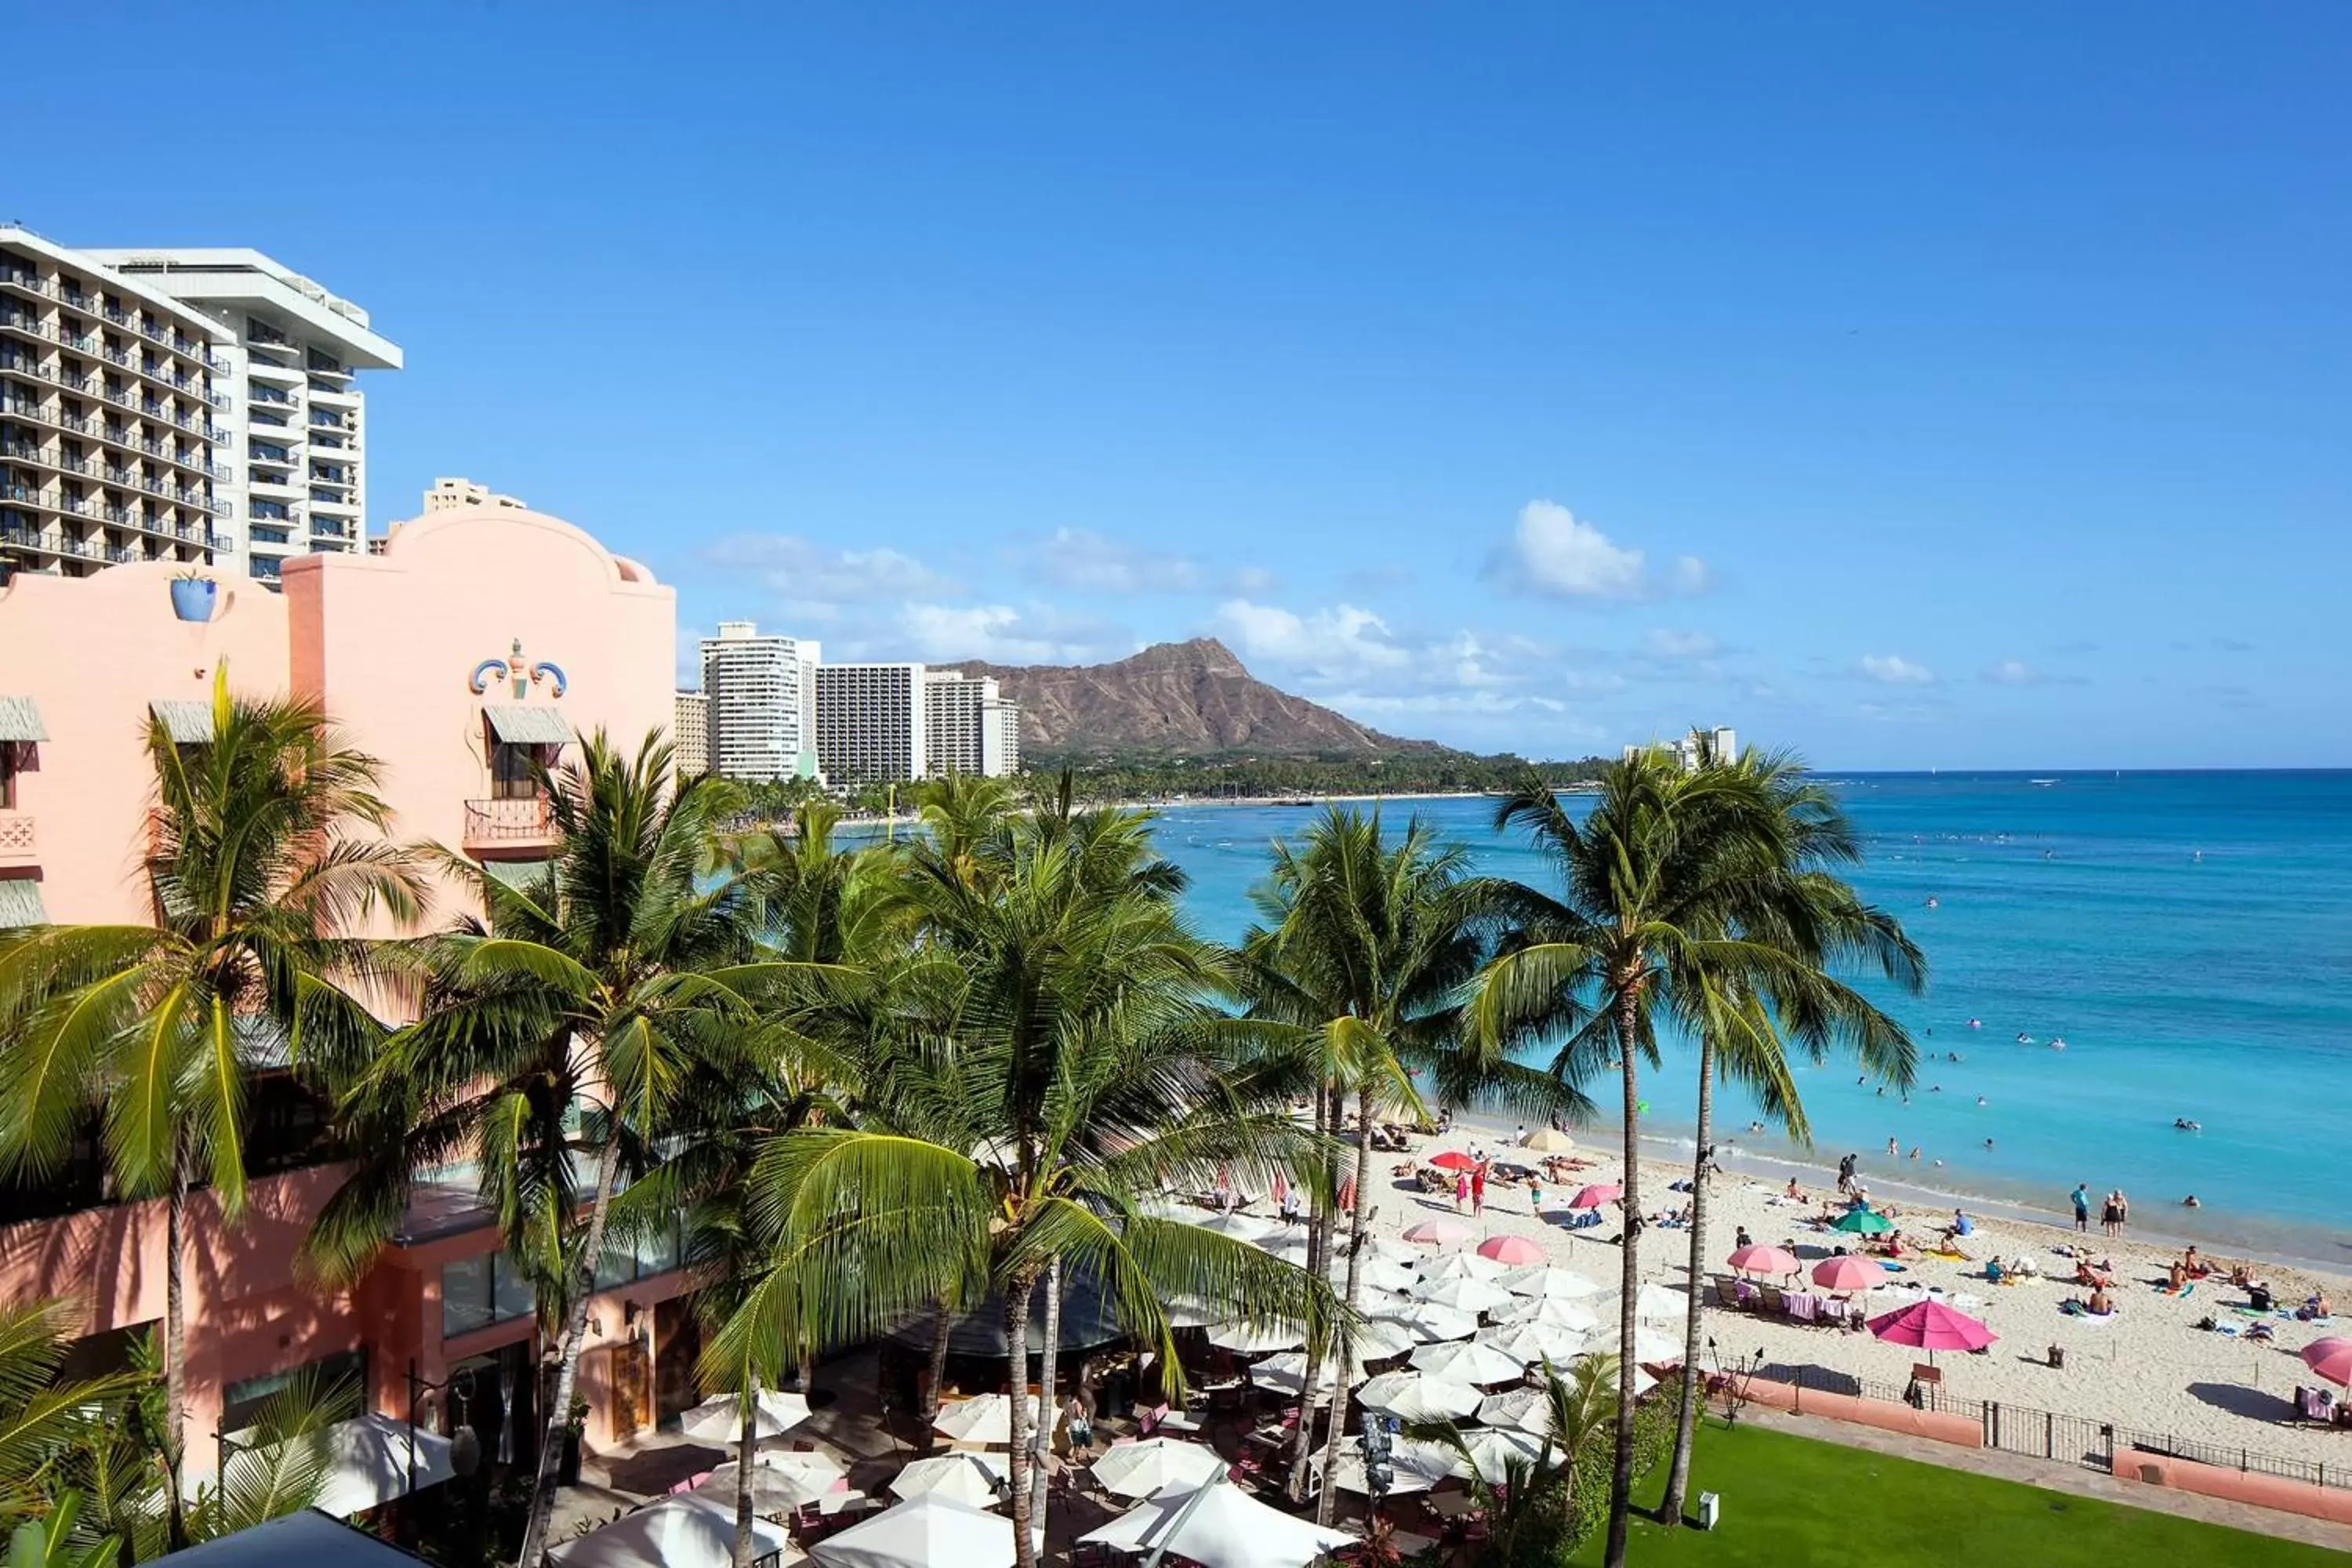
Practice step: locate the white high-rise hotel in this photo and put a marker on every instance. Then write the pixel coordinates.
(969, 729)
(295, 472)
(762, 695)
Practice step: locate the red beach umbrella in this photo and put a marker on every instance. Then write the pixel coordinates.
(1931, 1326)
(2331, 1358)
(1513, 1249)
(1768, 1262)
(1454, 1159)
(1594, 1197)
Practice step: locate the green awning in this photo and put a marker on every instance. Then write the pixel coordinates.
(20, 719)
(519, 725)
(20, 903)
(520, 875)
(188, 722)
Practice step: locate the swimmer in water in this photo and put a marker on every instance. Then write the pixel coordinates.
(1988, 1142)
(1976, 1023)
(2057, 1042)
(1935, 904)
(1981, 1100)
(2023, 1038)
(1915, 1151)
(2191, 1202)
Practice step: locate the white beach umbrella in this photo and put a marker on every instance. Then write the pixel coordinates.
(1428, 1320)
(693, 1529)
(1467, 1361)
(1256, 1338)
(1286, 1373)
(920, 1533)
(966, 1477)
(1529, 1344)
(1650, 1348)
(1239, 1225)
(1290, 1246)
(1543, 1279)
(1377, 1339)
(1520, 1409)
(1416, 1467)
(1154, 1465)
(1382, 1275)
(983, 1418)
(1191, 1312)
(1463, 1295)
(1461, 1266)
(1493, 1448)
(1418, 1397)
(1659, 1304)
(721, 1420)
(1552, 1312)
(1395, 1249)
(1218, 1525)
(776, 1488)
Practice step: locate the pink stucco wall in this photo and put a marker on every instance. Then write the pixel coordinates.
(387, 644)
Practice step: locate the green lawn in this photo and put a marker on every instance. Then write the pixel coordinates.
(1792, 1502)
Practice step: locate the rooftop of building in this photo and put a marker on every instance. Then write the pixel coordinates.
(89, 261)
(234, 275)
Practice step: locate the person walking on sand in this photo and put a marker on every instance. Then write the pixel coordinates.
(1461, 1191)
(2110, 1215)
(1479, 1191)
(2123, 1210)
(2082, 1207)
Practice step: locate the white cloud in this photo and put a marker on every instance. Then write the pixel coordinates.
(1892, 670)
(1552, 552)
(1681, 644)
(1252, 580)
(1081, 559)
(1330, 642)
(814, 573)
(997, 633)
(2011, 672)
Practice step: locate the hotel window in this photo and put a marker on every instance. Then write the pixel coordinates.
(8, 766)
(242, 1403)
(479, 1291)
(512, 774)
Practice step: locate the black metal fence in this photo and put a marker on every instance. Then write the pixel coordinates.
(2045, 1434)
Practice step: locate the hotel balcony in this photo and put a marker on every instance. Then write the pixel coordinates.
(16, 847)
(521, 822)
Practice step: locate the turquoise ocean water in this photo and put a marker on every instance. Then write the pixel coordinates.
(2188, 934)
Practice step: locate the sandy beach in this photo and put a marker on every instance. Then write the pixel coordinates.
(2147, 1367)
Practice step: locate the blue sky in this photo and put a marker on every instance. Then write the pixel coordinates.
(1916, 385)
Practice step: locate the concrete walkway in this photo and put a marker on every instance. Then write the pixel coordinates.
(2058, 1475)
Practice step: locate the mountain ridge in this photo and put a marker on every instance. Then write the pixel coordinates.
(1190, 698)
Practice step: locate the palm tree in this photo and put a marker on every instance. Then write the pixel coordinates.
(563, 1031)
(266, 861)
(1797, 904)
(1665, 909)
(1531, 1512)
(1373, 946)
(1073, 1067)
(41, 1416)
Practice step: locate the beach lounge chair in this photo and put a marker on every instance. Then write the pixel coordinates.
(1774, 1301)
(1726, 1294)
(1747, 1294)
(2315, 1405)
(1802, 1306)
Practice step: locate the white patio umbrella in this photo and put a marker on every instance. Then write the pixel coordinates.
(1529, 1344)
(1544, 1279)
(1377, 1339)
(983, 1418)
(1428, 1320)
(1416, 1466)
(1493, 1448)
(1418, 1397)
(1219, 1525)
(1154, 1465)
(1286, 1373)
(1395, 1249)
(1256, 1338)
(1290, 1246)
(966, 1477)
(1656, 1303)
(721, 1420)
(1463, 1295)
(1519, 1409)
(1468, 1360)
(1553, 1312)
(1650, 1348)
(1461, 1266)
(692, 1530)
(1239, 1225)
(780, 1481)
(1382, 1274)
(918, 1533)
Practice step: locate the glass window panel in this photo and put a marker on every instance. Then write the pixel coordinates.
(466, 1295)
(511, 1295)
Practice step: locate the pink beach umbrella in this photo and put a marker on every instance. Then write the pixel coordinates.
(1931, 1326)
(1768, 1262)
(1454, 1159)
(1847, 1273)
(1511, 1249)
(1437, 1233)
(2331, 1358)
(1594, 1197)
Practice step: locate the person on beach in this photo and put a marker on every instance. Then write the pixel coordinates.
(2082, 1207)
(2110, 1215)
(1893, 1150)
(1461, 1191)
(2123, 1210)
(1479, 1191)
(1743, 1239)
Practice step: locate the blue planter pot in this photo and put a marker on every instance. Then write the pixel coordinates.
(191, 597)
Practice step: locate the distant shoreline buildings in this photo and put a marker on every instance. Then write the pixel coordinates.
(1720, 744)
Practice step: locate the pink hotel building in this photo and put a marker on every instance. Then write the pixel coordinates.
(477, 634)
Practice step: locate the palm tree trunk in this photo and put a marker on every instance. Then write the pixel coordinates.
(940, 1327)
(744, 1469)
(1321, 1220)
(1047, 1416)
(1621, 1484)
(1016, 1345)
(1323, 1505)
(175, 1356)
(1670, 1510)
(567, 1376)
